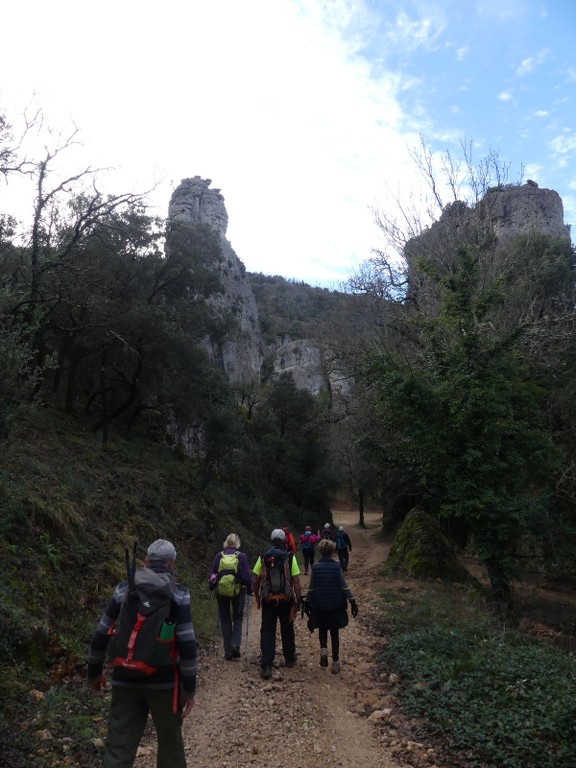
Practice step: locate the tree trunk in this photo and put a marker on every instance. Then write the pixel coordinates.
(500, 587)
(361, 522)
(104, 419)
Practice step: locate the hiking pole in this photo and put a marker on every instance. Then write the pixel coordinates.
(247, 625)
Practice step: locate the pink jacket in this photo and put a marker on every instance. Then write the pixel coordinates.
(312, 538)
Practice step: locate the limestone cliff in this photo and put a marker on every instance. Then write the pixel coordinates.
(525, 209)
(239, 353)
(313, 367)
(503, 214)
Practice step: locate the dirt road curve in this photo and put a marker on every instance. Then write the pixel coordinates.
(305, 716)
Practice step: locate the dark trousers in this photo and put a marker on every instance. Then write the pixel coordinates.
(343, 557)
(308, 555)
(334, 641)
(127, 720)
(271, 614)
(231, 613)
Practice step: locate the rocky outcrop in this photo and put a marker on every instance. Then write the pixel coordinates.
(312, 366)
(525, 209)
(239, 353)
(503, 215)
(421, 550)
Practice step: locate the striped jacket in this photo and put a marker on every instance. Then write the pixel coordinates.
(185, 644)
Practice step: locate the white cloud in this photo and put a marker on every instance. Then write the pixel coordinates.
(541, 113)
(504, 96)
(269, 100)
(410, 33)
(461, 53)
(532, 170)
(527, 66)
(564, 144)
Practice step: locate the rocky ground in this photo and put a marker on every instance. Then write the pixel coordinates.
(305, 716)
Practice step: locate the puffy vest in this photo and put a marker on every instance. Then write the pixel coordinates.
(327, 594)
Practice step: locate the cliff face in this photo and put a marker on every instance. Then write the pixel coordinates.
(502, 215)
(239, 353)
(312, 366)
(523, 210)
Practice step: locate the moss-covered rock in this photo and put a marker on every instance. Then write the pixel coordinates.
(422, 550)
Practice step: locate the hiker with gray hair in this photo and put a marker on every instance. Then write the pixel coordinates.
(149, 677)
(277, 590)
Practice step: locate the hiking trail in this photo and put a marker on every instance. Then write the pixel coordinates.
(305, 716)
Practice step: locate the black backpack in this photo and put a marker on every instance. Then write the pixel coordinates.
(142, 638)
(276, 583)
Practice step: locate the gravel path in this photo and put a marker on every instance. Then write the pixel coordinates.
(305, 716)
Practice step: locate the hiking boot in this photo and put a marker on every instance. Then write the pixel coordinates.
(335, 667)
(235, 652)
(290, 663)
(323, 657)
(228, 656)
(266, 671)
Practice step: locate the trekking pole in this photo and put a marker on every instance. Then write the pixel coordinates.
(247, 625)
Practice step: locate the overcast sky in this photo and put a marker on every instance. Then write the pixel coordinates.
(302, 112)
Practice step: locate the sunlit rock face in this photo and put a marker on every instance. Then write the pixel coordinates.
(504, 215)
(193, 201)
(525, 209)
(239, 353)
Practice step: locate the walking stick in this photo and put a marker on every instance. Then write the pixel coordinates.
(247, 625)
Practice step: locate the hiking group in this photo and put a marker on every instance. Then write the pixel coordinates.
(147, 638)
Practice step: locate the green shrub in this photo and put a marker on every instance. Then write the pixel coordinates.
(491, 698)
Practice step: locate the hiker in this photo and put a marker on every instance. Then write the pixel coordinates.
(307, 542)
(167, 693)
(343, 546)
(231, 581)
(325, 603)
(289, 541)
(327, 532)
(277, 590)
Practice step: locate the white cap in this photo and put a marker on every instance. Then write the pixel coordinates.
(327, 525)
(278, 533)
(341, 528)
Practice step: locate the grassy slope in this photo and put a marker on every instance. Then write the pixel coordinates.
(68, 509)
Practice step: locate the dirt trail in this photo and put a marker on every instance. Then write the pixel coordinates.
(305, 716)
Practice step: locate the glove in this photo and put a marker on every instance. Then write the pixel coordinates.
(354, 608)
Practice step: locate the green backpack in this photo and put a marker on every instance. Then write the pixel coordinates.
(227, 585)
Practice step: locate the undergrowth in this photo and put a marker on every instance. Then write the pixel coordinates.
(487, 696)
(68, 510)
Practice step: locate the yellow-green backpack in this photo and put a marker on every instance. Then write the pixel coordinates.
(227, 585)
